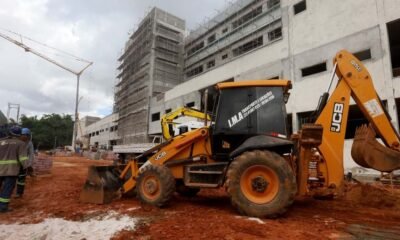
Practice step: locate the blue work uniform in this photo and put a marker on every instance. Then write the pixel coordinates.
(22, 171)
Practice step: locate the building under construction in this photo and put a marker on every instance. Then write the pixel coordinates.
(151, 64)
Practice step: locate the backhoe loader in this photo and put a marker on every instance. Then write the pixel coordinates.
(167, 120)
(247, 151)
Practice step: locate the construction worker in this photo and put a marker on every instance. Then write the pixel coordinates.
(25, 137)
(12, 157)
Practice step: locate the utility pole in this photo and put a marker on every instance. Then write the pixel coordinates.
(11, 106)
(77, 73)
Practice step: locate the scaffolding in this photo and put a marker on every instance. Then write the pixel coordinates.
(151, 64)
(241, 27)
(222, 16)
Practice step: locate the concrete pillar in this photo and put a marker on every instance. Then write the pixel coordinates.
(387, 65)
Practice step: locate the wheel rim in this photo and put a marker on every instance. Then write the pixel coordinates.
(151, 187)
(259, 184)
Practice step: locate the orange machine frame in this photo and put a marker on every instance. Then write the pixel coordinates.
(354, 81)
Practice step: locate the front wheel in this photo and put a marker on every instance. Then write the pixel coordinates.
(155, 185)
(261, 184)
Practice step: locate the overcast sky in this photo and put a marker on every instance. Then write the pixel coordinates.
(95, 30)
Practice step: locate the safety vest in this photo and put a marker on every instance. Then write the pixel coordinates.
(13, 155)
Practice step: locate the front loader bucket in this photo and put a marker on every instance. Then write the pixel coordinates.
(102, 185)
(368, 152)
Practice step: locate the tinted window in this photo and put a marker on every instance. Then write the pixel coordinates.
(252, 110)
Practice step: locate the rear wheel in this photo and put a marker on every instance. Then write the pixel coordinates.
(261, 184)
(155, 185)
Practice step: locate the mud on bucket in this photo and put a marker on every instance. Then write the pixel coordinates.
(369, 153)
(102, 185)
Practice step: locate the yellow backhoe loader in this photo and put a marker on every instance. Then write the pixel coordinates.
(167, 120)
(246, 150)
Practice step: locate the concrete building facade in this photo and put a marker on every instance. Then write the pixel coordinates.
(151, 64)
(296, 40)
(103, 133)
(82, 133)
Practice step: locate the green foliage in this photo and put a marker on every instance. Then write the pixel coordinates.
(48, 129)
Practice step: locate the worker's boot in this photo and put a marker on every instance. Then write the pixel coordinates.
(5, 209)
(18, 195)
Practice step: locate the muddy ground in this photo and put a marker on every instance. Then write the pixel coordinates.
(365, 212)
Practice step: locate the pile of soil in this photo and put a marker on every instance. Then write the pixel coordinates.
(373, 195)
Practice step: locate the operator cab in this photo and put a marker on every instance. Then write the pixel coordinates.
(244, 110)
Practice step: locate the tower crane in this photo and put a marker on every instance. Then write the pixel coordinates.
(76, 73)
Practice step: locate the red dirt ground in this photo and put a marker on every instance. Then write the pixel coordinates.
(364, 211)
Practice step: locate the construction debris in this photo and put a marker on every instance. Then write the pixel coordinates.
(42, 164)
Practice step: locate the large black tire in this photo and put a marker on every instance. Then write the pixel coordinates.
(155, 185)
(186, 191)
(261, 184)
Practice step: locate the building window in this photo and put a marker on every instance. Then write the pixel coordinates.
(363, 55)
(115, 128)
(225, 56)
(211, 64)
(211, 38)
(394, 42)
(275, 77)
(111, 129)
(314, 69)
(191, 104)
(97, 132)
(247, 17)
(225, 30)
(275, 34)
(194, 71)
(300, 7)
(155, 117)
(273, 3)
(248, 46)
(195, 48)
(168, 110)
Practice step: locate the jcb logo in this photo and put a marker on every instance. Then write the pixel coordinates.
(337, 117)
(161, 155)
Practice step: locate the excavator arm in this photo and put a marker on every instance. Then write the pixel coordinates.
(356, 82)
(167, 120)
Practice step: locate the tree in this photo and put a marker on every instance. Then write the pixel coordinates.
(48, 128)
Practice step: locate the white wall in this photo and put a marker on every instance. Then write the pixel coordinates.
(105, 136)
(233, 69)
